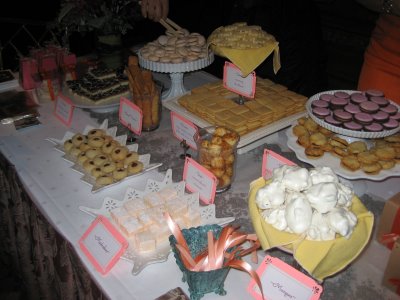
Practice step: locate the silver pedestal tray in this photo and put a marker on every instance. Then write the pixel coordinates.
(176, 72)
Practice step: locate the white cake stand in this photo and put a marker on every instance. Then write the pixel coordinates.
(176, 72)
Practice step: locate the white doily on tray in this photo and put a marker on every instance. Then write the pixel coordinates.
(112, 131)
(141, 260)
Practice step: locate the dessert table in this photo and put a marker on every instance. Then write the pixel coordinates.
(41, 223)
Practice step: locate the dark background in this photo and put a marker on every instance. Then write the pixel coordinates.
(321, 41)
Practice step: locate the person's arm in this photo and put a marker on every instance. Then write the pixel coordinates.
(382, 6)
(155, 10)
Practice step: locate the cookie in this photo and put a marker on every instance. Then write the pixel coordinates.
(92, 152)
(89, 165)
(386, 153)
(100, 159)
(336, 141)
(78, 139)
(96, 172)
(387, 164)
(68, 145)
(84, 146)
(356, 147)
(367, 157)
(96, 132)
(381, 101)
(104, 179)
(131, 157)
(373, 168)
(339, 152)
(350, 162)
(369, 107)
(304, 140)
(109, 146)
(75, 151)
(357, 98)
(119, 153)
(342, 116)
(314, 152)
(108, 167)
(363, 118)
(321, 112)
(374, 127)
(135, 167)
(299, 130)
(96, 141)
(82, 158)
(119, 174)
(318, 139)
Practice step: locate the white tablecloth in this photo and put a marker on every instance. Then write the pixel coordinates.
(57, 191)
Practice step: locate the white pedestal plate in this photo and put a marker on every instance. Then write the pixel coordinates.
(176, 72)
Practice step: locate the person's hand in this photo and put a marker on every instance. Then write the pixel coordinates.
(155, 10)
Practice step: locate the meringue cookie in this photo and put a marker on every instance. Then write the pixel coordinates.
(323, 174)
(319, 229)
(345, 195)
(277, 173)
(322, 196)
(270, 196)
(276, 217)
(342, 221)
(296, 179)
(298, 214)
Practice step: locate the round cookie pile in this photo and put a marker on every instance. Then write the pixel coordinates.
(216, 152)
(102, 157)
(240, 36)
(176, 49)
(367, 111)
(384, 154)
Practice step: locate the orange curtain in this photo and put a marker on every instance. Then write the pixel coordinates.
(381, 68)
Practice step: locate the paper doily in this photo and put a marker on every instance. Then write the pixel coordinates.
(112, 131)
(141, 260)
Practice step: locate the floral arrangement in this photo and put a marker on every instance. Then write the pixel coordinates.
(102, 16)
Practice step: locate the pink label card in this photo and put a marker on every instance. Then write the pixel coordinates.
(235, 82)
(199, 179)
(64, 109)
(281, 281)
(271, 161)
(130, 115)
(103, 244)
(183, 129)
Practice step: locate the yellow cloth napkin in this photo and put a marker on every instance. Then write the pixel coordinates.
(319, 258)
(247, 60)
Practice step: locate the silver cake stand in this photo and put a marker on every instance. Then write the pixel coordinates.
(176, 72)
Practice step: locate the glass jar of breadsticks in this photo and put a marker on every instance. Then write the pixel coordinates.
(145, 94)
(216, 151)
